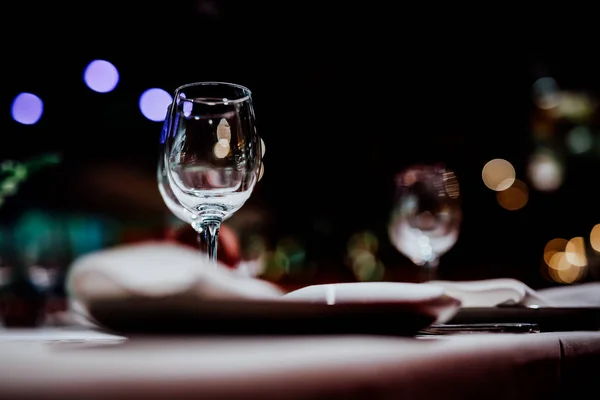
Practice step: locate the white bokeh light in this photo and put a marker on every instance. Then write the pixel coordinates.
(545, 172)
(154, 103)
(101, 76)
(27, 108)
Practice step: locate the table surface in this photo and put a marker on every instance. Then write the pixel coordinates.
(78, 363)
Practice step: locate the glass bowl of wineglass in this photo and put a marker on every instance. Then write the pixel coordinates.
(164, 185)
(426, 216)
(211, 156)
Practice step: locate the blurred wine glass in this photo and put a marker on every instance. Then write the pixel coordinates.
(426, 216)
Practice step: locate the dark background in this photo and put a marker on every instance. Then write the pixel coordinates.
(345, 96)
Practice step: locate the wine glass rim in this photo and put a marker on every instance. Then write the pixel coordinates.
(211, 101)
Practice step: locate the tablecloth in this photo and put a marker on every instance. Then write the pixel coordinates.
(78, 364)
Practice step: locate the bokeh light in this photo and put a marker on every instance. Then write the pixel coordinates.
(575, 252)
(101, 76)
(568, 275)
(153, 104)
(595, 238)
(498, 174)
(286, 260)
(27, 108)
(362, 257)
(261, 172)
(546, 94)
(552, 247)
(221, 148)
(565, 260)
(580, 139)
(559, 262)
(515, 197)
(576, 107)
(545, 171)
(262, 165)
(223, 130)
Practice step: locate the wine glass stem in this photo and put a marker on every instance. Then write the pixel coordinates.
(430, 269)
(208, 238)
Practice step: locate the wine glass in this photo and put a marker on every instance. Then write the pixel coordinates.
(211, 155)
(169, 197)
(164, 186)
(426, 216)
(166, 191)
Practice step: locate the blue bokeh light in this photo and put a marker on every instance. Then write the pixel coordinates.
(27, 108)
(154, 103)
(101, 76)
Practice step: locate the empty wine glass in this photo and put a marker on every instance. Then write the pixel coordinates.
(211, 155)
(169, 197)
(426, 216)
(164, 187)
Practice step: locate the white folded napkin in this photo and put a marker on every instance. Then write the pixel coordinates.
(163, 269)
(159, 269)
(493, 292)
(156, 269)
(507, 291)
(577, 295)
(367, 292)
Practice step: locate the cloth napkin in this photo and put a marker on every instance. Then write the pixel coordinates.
(507, 291)
(494, 292)
(156, 269)
(578, 295)
(166, 269)
(163, 269)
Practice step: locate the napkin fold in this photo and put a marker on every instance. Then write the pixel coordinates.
(156, 269)
(494, 292)
(508, 291)
(166, 269)
(578, 295)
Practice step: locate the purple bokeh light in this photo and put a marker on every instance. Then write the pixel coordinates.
(101, 76)
(154, 103)
(27, 108)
